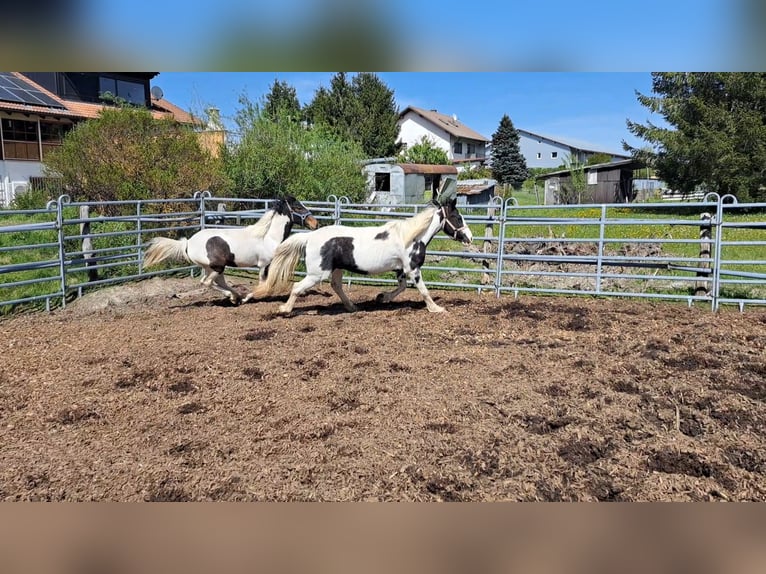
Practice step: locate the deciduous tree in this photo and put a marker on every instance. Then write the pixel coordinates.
(275, 157)
(126, 154)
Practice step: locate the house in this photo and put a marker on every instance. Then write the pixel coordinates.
(390, 183)
(38, 108)
(464, 146)
(604, 183)
(550, 152)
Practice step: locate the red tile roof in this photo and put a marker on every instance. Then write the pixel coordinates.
(83, 110)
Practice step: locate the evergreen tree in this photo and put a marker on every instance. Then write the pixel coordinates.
(508, 165)
(377, 116)
(334, 107)
(361, 110)
(282, 101)
(716, 135)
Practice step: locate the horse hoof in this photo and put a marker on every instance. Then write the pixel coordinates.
(437, 309)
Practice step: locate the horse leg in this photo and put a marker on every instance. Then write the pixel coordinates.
(388, 296)
(418, 280)
(337, 284)
(217, 282)
(300, 287)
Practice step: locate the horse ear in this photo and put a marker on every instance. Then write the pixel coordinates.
(448, 191)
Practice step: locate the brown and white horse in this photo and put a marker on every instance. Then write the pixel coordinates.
(398, 245)
(251, 246)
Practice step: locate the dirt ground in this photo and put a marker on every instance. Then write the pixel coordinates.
(130, 394)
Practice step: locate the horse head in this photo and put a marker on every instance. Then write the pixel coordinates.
(452, 221)
(298, 213)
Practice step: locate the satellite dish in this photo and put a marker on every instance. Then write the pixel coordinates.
(157, 93)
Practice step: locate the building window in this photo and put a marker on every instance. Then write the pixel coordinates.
(382, 181)
(471, 149)
(554, 154)
(20, 139)
(457, 148)
(52, 135)
(539, 155)
(131, 92)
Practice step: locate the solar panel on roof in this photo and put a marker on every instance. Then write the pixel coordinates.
(16, 90)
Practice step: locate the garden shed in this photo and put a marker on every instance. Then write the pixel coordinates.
(404, 183)
(604, 183)
(475, 191)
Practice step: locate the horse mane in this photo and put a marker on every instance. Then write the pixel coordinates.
(261, 227)
(414, 226)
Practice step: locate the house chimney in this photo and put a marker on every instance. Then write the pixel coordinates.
(214, 119)
(454, 117)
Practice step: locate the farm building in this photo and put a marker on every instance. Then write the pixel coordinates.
(475, 191)
(38, 108)
(404, 183)
(604, 183)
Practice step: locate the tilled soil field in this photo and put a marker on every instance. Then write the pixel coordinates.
(130, 394)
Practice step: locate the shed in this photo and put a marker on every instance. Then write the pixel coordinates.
(475, 191)
(404, 183)
(605, 183)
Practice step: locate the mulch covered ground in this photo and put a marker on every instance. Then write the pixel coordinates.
(129, 394)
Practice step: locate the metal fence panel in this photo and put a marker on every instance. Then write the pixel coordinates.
(712, 251)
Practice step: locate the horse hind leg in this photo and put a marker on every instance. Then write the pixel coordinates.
(299, 289)
(337, 284)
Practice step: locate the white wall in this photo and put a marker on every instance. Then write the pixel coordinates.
(15, 173)
(414, 127)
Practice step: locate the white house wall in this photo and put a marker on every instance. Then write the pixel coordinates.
(14, 177)
(414, 127)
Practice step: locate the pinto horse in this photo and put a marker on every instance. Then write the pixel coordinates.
(251, 246)
(394, 246)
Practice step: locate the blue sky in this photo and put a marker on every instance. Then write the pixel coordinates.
(588, 107)
(443, 35)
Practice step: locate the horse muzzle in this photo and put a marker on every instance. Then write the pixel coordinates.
(311, 222)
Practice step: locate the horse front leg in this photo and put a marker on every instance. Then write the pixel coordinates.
(337, 284)
(388, 296)
(421, 287)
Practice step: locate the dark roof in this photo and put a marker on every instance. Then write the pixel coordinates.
(628, 164)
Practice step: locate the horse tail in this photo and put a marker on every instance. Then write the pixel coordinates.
(162, 248)
(282, 266)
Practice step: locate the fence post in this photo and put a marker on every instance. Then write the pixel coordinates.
(62, 199)
(87, 243)
(701, 286)
(486, 278)
(600, 256)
